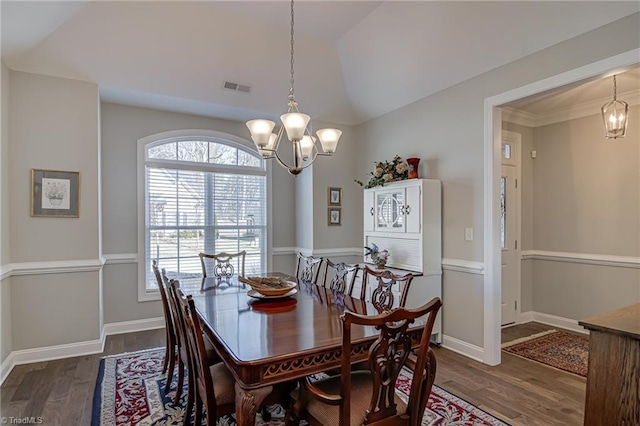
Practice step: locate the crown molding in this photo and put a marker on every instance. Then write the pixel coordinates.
(580, 110)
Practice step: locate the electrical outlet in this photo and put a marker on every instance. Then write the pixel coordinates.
(468, 234)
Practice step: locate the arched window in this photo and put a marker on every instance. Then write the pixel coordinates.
(201, 193)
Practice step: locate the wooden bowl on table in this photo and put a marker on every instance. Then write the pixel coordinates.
(269, 286)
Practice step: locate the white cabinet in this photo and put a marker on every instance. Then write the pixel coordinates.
(405, 218)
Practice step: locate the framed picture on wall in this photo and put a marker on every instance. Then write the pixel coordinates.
(54, 193)
(335, 196)
(334, 216)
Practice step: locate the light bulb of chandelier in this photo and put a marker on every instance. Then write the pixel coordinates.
(267, 151)
(295, 124)
(306, 146)
(261, 131)
(329, 139)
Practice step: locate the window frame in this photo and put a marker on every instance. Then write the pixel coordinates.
(143, 146)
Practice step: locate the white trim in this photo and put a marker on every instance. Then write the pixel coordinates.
(466, 266)
(119, 258)
(5, 271)
(47, 353)
(492, 133)
(285, 251)
(463, 348)
(6, 367)
(69, 350)
(556, 321)
(583, 109)
(133, 326)
(52, 267)
(585, 258)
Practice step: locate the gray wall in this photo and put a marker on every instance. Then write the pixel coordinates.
(446, 130)
(54, 126)
(586, 201)
(5, 285)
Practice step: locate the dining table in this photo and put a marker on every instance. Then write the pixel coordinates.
(265, 341)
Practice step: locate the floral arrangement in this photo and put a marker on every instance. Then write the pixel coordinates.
(387, 171)
(55, 190)
(379, 257)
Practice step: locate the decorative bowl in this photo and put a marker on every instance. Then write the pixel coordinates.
(269, 286)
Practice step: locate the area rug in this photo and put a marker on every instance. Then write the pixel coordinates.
(559, 349)
(130, 391)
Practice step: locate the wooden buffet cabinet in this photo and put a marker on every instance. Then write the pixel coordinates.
(613, 378)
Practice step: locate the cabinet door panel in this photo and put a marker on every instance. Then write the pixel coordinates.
(389, 211)
(369, 211)
(412, 209)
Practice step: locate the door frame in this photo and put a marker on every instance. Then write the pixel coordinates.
(492, 165)
(516, 139)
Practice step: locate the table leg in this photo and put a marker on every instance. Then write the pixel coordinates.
(247, 403)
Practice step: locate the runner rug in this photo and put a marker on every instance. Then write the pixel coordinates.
(559, 349)
(130, 391)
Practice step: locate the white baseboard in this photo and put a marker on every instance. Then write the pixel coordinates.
(560, 322)
(463, 348)
(6, 367)
(133, 326)
(89, 347)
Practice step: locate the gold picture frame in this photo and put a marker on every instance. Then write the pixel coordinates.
(55, 193)
(334, 216)
(334, 196)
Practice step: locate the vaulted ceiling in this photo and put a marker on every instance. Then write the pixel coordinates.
(354, 60)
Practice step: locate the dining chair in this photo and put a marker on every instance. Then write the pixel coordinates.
(184, 355)
(213, 384)
(223, 262)
(308, 268)
(379, 287)
(368, 396)
(169, 327)
(339, 276)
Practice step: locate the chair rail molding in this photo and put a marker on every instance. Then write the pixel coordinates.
(460, 265)
(50, 267)
(586, 258)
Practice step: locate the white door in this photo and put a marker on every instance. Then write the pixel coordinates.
(369, 210)
(508, 225)
(412, 211)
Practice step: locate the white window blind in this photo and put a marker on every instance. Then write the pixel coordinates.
(203, 196)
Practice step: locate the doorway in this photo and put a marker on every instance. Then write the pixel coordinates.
(493, 169)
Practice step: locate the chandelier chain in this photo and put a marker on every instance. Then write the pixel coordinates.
(291, 95)
(614, 88)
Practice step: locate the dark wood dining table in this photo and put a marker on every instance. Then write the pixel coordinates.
(265, 341)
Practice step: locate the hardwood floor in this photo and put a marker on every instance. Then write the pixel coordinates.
(61, 391)
(518, 391)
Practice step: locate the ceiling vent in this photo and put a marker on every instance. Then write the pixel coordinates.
(237, 87)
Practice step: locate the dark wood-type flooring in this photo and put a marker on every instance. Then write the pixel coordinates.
(519, 391)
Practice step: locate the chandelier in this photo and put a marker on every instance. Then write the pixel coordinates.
(294, 123)
(614, 116)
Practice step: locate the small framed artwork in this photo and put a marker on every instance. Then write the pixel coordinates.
(335, 216)
(54, 193)
(335, 196)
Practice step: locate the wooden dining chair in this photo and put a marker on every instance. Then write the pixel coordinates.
(214, 384)
(368, 396)
(184, 354)
(340, 276)
(223, 262)
(308, 268)
(169, 326)
(385, 289)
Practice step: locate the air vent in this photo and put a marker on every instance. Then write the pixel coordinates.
(237, 87)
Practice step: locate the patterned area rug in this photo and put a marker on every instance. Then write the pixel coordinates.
(130, 391)
(559, 349)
